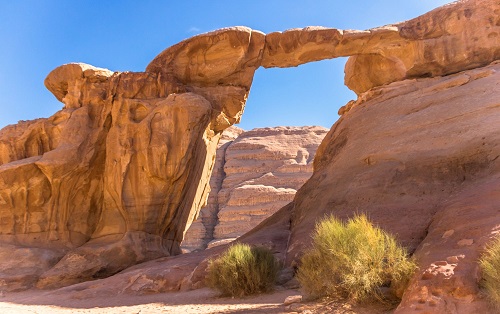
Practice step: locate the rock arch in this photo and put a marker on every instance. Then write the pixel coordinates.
(132, 153)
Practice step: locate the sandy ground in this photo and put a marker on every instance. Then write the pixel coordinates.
(189, 302)
(196, 301)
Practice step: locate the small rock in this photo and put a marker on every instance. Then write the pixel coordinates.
(448, 234)
(285, 276)
(465, 242)
(293, 299)
(452, 259)
(295, 307)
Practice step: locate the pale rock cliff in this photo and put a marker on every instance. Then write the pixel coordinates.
(262, 170)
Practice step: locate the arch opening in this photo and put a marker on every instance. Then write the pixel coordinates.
(310, 94)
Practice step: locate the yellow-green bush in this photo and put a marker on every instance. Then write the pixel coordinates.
(353, 260)
(243, 270)
(490, 267)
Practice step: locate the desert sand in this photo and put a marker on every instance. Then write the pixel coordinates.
(195, 301)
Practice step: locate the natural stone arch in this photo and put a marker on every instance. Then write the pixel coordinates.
(152, 135)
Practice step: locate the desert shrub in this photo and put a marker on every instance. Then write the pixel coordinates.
(353, 260)
(243, 270)
(490, 267)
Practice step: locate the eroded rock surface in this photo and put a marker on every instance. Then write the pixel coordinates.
(118, 174)
(421, 159)
(261, 170)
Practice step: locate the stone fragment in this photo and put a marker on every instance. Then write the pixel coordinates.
(292, 299)
(448, 234)
(465, 242)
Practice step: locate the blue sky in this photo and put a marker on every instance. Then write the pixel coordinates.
(37, 36)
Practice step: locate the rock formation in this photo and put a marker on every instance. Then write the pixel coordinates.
(420, 157)
(262, 171)
(456, 37)
(118, 175)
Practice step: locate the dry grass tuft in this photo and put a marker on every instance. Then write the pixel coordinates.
(490, 267)
(243, 270)
(354, 260)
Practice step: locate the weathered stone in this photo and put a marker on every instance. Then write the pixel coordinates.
(292, 299)
(420, 158)
(260, 172)
(202, 229)
(121, 171)
(263, 170)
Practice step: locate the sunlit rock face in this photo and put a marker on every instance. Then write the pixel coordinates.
(421, 159)
(256, 173)
(117, 176)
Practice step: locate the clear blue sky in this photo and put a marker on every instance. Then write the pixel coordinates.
(37, 36)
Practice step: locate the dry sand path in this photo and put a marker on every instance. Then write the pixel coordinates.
(190, 302)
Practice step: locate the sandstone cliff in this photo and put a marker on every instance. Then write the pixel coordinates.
(261, 170)
(420, 158)
(118, 175)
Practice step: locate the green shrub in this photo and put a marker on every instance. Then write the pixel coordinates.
(353, 260)
(243, 270)
(490, 267)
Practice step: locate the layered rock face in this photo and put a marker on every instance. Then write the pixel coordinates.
(261, 171)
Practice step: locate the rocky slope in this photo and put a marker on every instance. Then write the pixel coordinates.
(116, 176)
(260, 172)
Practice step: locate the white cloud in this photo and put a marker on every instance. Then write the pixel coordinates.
(193, 29)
